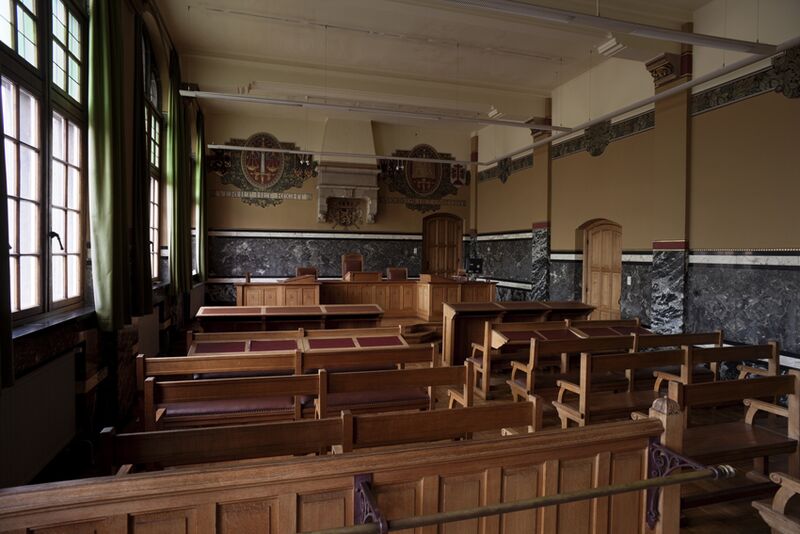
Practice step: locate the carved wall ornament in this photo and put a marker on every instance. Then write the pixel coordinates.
(424, 184)
(786, 73)
(504, 169)
(597, 137)
(345, 212)
(262, 176)
(664, 68)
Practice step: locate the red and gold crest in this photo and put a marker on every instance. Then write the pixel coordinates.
(263, 169)
(424, 177)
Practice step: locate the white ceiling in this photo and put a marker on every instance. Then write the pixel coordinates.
(415, 52)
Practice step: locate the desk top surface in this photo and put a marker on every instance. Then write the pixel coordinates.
(269, 311)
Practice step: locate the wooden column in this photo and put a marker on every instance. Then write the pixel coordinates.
(668, 412)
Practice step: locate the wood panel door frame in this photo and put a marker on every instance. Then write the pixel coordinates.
(586, 231)
(425, 267)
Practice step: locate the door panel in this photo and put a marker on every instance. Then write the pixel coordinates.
(441, 244)
(602, 268)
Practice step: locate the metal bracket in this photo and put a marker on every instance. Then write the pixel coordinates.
(366, 506)
(662, 461)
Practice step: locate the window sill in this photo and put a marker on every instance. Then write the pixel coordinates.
(40, 324)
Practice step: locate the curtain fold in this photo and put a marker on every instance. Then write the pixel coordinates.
(179, 186)
(141, 276)
(6, 346)
(106, 171)
(200, 193)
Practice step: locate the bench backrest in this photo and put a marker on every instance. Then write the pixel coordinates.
(557, 347)
(600, 323)
(726, 391)
(654, 341)
(354, 332)
(193, 337)
(350, 359)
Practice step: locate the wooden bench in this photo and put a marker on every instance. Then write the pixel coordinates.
(739, 440)
(527, 378)
(484, 353)
(592, 405)
(118, 453)
(776, 513)
(700, 373)
(608, 327)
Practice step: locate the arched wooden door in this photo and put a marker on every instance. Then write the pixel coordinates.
(602, 267)
(442, 236)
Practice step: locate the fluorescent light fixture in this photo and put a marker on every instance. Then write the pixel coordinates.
(511, 7)
(235, 97)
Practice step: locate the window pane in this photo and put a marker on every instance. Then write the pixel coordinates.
(73, 233)
(28, 119)
(59, 277)
(9, 108)
(74, 36)
(58, 136)
(74, 276)
(30, 4)
(6, 23)
(28, 228)
(11, 168)
(60, 21)
(74, 189)
(28, 173)
(29, 282)
(58, 226)
(13, 268)
(12, 225)
(26, 35)
(74, 144)
(59, 185)
(59, 66)
(74, 89)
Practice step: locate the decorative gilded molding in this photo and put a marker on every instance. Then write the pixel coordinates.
(664, 68)
(598, 137)
(517, 164)
(619, 130)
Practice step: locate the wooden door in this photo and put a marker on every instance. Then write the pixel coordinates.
(602, 268)
(442, 236)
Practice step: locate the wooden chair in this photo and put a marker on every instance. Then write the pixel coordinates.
(483, 360)
(701, 373)
(525, 380)
(776, 513)
(352, 261)
(396, 273)
(592, 405)
(303, 271)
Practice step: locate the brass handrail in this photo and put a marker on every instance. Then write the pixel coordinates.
(720, 471)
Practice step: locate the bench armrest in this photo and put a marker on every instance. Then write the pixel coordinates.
(519, 366)
(746, 370)
(787, 481)
(754, 406)
(638, 416)
(455, 396)
(662, 376)
(564, 386)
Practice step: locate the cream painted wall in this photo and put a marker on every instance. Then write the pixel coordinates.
(232, 213)
(745, 175)
(608, 86)
(768, 21)
(615, 185)
(516, 204)
(497, 141)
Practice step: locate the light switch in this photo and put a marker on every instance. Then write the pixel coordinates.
(629, 280)
(415, 252)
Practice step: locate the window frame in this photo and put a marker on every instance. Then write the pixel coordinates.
(152, 111)
(39, 82)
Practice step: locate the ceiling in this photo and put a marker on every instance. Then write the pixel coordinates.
(424, 55)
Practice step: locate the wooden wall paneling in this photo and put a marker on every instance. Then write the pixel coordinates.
(602, 477)
(492, 494)
(248, 516)
(574, 475)
(517, 484)
(627, 467)
(319, 511)
(397, 501)
(110, 525)
(461, 492)
(183, 521)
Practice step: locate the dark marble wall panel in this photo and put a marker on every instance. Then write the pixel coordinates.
(278, 257)
(540, 264)
(749, 304)
(512, 293)
(635, 298)
(668, 282)
(163, 266)
(217, 294)
(565, 280)
(506, 259)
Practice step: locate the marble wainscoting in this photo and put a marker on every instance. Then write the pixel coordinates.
(505, 292)
(635, 296)
(566, 276)
(507, 260)
(540, 262)
(220, 293)
(753, 297)
(276, 255)
(668, 285)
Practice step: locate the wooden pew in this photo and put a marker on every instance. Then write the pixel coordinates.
(349, 432)
(484, 353)
(525, 380)
(741, 440)
(377, 391)
(775, 513)
(307, 494)
(608, 327)
(592, 405)
(701, 373)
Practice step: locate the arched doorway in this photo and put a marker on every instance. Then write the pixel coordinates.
(442, 236)
(602, 267)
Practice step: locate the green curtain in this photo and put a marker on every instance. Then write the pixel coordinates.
(200, 193)
(6, 354)
(141, 276)
(179, 186)
(106, 157)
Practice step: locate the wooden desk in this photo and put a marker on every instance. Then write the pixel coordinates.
(249, 318)
(298, 291)
(463, 323)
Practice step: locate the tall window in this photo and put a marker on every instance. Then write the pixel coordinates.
(18, 28)
(21, 129)
(44, 127)
(153, 122)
